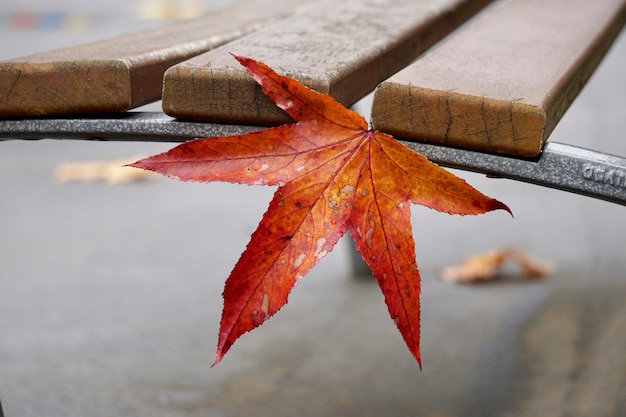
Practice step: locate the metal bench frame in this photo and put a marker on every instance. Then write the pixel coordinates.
(560, 166)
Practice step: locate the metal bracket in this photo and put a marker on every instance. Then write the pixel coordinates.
(564, 167)
(560, 166)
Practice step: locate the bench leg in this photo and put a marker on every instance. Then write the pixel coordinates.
(359, 267)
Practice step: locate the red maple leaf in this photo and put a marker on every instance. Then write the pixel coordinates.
(333, 175)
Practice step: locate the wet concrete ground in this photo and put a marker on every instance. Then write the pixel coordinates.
(110, 295)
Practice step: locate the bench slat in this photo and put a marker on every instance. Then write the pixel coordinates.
(117, 74)
(501, 83)
(343, 48)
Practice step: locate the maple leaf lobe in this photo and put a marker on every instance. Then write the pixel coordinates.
(299, 101)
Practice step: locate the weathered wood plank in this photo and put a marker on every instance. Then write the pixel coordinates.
(341, 48)
(501, 83)
(123, 72)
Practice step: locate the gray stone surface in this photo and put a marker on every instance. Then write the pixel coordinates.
(110, 297)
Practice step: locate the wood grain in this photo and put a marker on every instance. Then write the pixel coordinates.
(340, 48)
(120, 73)
(501, 83)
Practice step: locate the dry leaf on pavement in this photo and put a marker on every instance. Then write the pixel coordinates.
(111, 171)
(486, 266)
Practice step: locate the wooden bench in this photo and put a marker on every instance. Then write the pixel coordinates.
(486, 98)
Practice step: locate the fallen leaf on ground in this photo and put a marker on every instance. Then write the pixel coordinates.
(110, 171)
(333, 175)
(487, 265)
